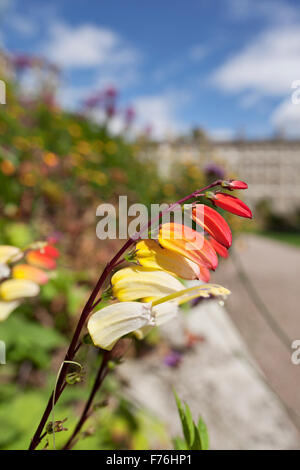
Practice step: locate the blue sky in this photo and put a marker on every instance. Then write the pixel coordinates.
(224, 65)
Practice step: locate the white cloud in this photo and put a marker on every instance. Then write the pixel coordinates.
(87, 45)
(266, 66)
(273, 11)
(286, 118)
(159, 111)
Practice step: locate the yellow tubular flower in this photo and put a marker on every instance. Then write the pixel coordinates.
(9, 253)
(137, 282)
(14, 289)
(6, 308)
(151, 255)
(109, 324)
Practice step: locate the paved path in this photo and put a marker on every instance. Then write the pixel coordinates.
(218, 379)
(274, 271)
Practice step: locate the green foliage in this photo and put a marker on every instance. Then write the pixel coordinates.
(29, 341)
(195, 435)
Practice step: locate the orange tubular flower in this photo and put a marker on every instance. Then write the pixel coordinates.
(213, 223)
(220, 249)
(230, 203)
(25, 271)
(204, 274)
(188, 243)
(39, 259)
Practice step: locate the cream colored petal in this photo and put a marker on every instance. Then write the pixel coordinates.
(17, 288)
(6, 308)
(137, 282)
(4, 271)
(109, 324)
(10, 253)
(165, 312)
(162, 314)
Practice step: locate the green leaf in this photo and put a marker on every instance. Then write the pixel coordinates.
(179, 444)
(27, 340)
(196, 437)
(203, 432)
(190, 425)
(197, 442)
(186, 421)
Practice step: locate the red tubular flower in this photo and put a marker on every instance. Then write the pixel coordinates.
(213, 223)
(50, 250)
(230, 203)
(234, 184)
(220, 249)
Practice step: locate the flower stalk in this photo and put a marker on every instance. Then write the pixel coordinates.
(87, 310)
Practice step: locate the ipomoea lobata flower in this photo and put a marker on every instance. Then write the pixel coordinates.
(213, 223)
(152, 256)
(189, 243)
(40, 260)
(110, 323)
(14, 289)
(9, 254)
(4, 271)
(6, 308)
(220, 249)
(234, 184)
(25, 271)
(229, 203)
(137, 282)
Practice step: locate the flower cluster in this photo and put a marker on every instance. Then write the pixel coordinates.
(151, 291)
(22, 272)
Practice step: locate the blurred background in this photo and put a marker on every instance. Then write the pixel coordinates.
(152, 101)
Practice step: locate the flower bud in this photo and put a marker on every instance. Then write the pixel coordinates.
(234, 184)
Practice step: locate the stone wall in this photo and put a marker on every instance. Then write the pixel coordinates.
(271, 168)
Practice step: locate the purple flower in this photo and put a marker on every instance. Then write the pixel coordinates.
(212, 169)
(173, 358)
